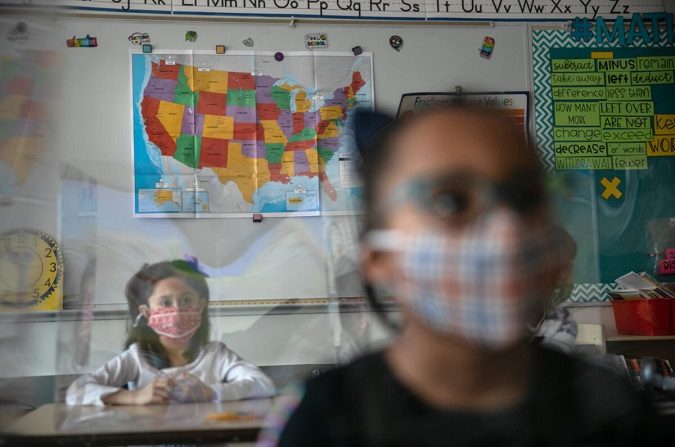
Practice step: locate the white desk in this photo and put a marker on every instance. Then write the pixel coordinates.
(59, 424)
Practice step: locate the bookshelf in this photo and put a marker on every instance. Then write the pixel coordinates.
(662, 346)
(617, 338)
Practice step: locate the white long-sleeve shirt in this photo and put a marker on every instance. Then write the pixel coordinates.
(218, 367)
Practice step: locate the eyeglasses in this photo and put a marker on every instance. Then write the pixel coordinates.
(460, 197)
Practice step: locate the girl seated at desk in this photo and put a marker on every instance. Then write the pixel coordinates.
(168, 354)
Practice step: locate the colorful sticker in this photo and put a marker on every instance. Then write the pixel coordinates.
(357, 50)
(139, 38)
(316, 41)
(191, 36)
(248, 42)
(83, 42)
(487, 48)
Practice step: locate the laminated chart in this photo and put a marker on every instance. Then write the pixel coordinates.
(604, 99)
(236, 134)
(612, 108)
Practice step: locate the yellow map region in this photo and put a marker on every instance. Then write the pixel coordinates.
(288, 163)
(216, 126)
(171, 116)
(206, 81)
(330, 113)
(313, 159)
(247, 173)
(302, 103)
(290, 88)
(273, 133)
(162, 196)
(349, 92)
(331, 131)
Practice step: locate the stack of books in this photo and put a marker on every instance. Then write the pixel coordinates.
(644, 306)
(640, 286)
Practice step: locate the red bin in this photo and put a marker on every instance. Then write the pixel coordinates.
(644, 316)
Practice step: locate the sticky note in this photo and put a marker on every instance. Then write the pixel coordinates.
(577, 134)
(635, 148)
(628, 108)
(619, 78)
(602, 55)
(630, 162)
(579, 93)
(576, 114)
(664, 124)
(652, 77)
(625, 122)
(666, 267)
(661, 146)
(621, 64)
(577, 79)
(572, 65)
(580, 149)
(650, 63)
(563, 163)
(626, 93)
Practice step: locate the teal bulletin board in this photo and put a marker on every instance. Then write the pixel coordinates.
(605, 126)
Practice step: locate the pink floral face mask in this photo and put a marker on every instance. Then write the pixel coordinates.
(175, 323)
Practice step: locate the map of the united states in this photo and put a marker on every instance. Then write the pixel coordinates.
(248, 129)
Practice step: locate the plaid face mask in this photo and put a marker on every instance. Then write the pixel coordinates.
(175, 323)
(480, 285)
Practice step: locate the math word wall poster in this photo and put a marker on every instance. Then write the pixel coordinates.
(604, 97)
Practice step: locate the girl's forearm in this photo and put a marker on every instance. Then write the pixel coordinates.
(120, 397)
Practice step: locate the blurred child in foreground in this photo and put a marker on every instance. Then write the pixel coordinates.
(457, 230)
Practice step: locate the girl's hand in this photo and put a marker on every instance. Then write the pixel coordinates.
(156, 392)
(188, 388)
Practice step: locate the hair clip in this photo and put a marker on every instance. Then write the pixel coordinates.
(193, 262)
(137, 321)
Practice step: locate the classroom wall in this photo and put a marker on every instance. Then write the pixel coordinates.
(46, 348)
(289, 255)
(94, 135)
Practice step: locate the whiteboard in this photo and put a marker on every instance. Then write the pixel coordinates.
(302, 257)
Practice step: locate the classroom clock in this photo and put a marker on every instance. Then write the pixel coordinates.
(31, 271)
